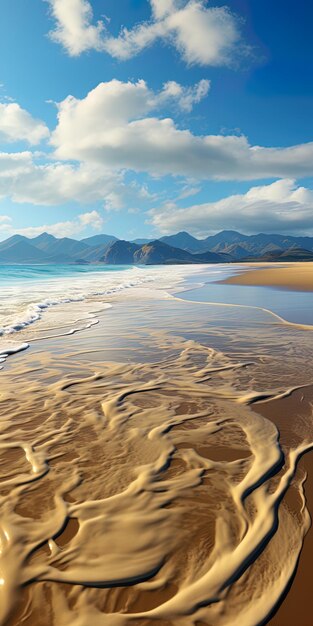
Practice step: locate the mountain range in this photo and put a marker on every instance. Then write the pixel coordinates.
(182, 248)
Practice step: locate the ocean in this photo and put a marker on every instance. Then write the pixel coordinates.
(30, 293)
(28, 290)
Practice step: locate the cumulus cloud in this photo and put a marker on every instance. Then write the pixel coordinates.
(279, 207)
(173, 93)
(110, 107)
(14, 163)
(115, 130)
(25, 179)
(162, 8)
(69, 228)
(5, 221)
(113, 127)
(16, 124)
(185, 97)
(202, 35)
(74, 29)
(93, 218)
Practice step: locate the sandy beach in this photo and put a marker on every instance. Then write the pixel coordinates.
(295, 276)
(158, 468)
(156, 313)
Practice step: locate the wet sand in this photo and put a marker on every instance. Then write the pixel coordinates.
(296, 607)
(144, 479)
(294, 276)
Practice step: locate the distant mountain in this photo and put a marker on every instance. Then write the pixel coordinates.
(99, 240)
(226, 237)
(256, 245)
(43, 241)
(21, 252)
(42, 249)
(157, 252)
(186, 242)
(120, 253)
(64, 246)
(284, 256)
(213, 257)
(227, 246)
(282, 241)
(92, 254)
(154, 253)
(49, 249)
(12, 241)
(141, 242)
(236, 250)
(236, 244)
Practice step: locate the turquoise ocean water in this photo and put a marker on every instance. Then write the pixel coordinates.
(26, 291)
(10, 274)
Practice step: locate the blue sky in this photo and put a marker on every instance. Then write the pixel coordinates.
(197, 117)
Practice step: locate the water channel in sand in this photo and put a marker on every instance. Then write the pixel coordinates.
(153, 467)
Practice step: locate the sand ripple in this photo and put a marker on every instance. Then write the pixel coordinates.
(145, 492)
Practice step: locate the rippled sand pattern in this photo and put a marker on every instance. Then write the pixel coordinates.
(140, 483)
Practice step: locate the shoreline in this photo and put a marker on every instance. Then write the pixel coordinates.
(288, 276)
(129, 421)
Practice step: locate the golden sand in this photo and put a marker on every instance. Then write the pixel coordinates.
(295, 607)
(149, 477)
(294, 276)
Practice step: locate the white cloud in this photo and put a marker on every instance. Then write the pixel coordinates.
(111, 106)
(93, 219)
(14, 163)
(188, 191)
(23, 179)
(202, 35)
(69, 228)
(115, 129)
(127, 195)
(16, 124)
(279, 207)
(185, 97)
(162, 8)
(111, 127)
(74, 30)
(5, 221)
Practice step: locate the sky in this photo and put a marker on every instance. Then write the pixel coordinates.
(141, 118)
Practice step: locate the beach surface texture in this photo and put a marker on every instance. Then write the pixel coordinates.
(295, 276)
(156, 463)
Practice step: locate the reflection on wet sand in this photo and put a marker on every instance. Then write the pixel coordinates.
(145, 480)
